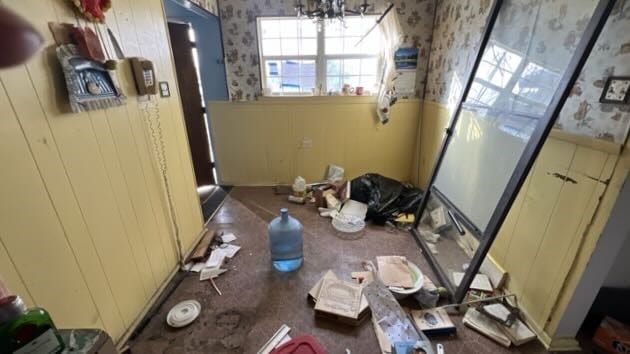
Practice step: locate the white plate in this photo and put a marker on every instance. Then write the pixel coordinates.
(183, 314)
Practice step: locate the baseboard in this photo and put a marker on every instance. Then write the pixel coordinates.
(120, 343)
(551, 344)
(564, 345)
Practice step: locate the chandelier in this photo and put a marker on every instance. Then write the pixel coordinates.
(320, 10)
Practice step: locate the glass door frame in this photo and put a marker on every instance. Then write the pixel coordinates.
(532, 149)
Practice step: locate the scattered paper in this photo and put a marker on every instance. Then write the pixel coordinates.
(484, 325)
(197, 267)
(481, 281)
(209, 273)
(216, 259)
(227, 238)
(429, 236)
(228, 250)
(394, 271)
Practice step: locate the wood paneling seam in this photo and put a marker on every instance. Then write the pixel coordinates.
(124, 226)
(17, 270)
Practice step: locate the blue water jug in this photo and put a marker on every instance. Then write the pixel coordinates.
(285, 241)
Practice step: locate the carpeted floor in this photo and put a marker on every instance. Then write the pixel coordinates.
(257, 300)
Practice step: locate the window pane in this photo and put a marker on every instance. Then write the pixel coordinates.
(350, 47)
(369, 66)
(352, 67)
(307, 84)
(334, 29)
(334, 45)
(368, 82)
(290, 68)
(271, 47)
(353, 81)
(273, 67)
(308, 46)
(333, 67)
(354, 27)
(333, 83)
(270, 28)
(291, 84)
(275, 84)
(371, 45)
(288, 28)
(290, 46)
(309, 28)
(307, 68)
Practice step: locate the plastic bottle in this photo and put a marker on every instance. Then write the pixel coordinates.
(285, 242)
(27, 330)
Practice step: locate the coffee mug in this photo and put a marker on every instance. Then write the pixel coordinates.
(358, 90)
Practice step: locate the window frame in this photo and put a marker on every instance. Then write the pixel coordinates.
(321, 59)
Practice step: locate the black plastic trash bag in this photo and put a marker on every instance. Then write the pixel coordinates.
(386, 198)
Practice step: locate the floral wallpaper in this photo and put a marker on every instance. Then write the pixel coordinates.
(457, 33)
(238, 23)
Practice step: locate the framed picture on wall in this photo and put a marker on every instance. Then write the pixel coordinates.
(616, 90)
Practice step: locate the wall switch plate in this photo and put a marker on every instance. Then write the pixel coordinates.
(307, 143)
(165, 90)
(616, 90)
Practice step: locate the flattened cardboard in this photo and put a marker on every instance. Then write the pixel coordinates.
(339, 298)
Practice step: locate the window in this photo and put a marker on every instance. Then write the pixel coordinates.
(299, 59)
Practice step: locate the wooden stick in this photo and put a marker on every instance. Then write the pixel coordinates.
(215, 286)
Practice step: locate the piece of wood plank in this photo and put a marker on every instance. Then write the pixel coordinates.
(201, 250)
(494, 271)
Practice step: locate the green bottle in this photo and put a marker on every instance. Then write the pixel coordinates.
(27, 331)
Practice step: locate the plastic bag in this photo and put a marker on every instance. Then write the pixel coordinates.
(385, 197)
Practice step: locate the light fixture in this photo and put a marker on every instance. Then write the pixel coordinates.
(321, 10)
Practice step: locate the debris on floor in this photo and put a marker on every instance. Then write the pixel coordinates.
(612, 335)
(279, 338)
(338, 300)
(433, 321)
(302, 344)
(481, 282)
(386, 198)
(183, 314)
(210, 255)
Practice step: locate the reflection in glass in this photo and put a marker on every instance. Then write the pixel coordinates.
(519, 72)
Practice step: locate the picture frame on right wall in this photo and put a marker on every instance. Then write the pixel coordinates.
(616, 90)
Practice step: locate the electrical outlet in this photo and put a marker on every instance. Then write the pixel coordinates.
(307, 143)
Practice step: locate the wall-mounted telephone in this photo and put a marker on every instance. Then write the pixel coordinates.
(144, 75)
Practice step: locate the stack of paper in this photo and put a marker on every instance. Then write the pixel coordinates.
(516, 334)
(484, 325)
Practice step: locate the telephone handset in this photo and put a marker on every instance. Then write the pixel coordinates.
(144, 75)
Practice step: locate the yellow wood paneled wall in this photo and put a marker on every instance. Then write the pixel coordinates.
(84, 227)
(547, 224)
(260, 143)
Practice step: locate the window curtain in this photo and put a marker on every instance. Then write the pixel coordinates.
(392, 36)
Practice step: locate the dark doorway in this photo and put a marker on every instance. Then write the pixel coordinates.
(199, 62)
(192, 102)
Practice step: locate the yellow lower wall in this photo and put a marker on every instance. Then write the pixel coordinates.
(84, 227)
(550, 231)
(276, 139)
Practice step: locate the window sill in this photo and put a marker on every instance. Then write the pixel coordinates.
(324, 99)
